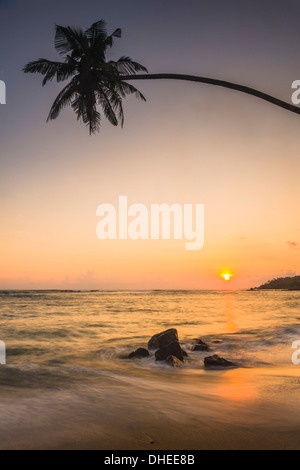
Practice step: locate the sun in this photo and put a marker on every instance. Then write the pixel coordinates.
(226, 274)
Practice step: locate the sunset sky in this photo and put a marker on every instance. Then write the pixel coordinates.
(189, 143)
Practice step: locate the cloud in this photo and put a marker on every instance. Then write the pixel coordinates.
(294, 245)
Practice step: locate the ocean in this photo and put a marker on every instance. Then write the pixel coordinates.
(68, 382)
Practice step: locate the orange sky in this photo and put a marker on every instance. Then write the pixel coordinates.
(189, 143)
(249, 189)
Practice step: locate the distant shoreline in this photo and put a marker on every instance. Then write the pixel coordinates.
(90, 291)
(280, 283)
(74, 291)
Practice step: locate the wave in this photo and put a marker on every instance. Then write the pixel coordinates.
(33, 376)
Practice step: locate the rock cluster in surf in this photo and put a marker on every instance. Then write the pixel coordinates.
(166, 347)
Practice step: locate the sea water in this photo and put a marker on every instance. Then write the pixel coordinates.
(66, 354)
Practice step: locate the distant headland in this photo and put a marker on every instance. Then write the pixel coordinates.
(285, 283)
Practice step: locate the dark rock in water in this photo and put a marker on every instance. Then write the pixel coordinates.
(162, 339)
(217, 341)
(140, 352)
(184, 353)
(171, 349)
(167, 344)
(200, 347)
(174, 361)
(199, 341)
(217, 361)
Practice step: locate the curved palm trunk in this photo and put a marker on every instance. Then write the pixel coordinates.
(213, 81)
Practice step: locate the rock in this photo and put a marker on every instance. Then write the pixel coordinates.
(166, 344)
(199, 341)
(200, 347)
(217, 361)
(174, 361)
(171, 349)
(140, 352)
(162, 339)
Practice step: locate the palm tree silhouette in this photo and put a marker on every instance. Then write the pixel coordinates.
(96, 81)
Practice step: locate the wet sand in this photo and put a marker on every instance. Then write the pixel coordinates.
(178, 410)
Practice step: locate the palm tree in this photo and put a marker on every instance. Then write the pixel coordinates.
(96, 81)
(93, 80)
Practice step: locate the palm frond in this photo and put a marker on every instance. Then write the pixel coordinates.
(85, 109)
(40, 66)
(110, 39)
(126, 66)
(99, 40)
(109, 112)
(69, 39)
(115, 98)
(50, 69)
(97, 31)
(63, 99)
(126, 89)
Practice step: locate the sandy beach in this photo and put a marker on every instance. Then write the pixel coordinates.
(235, 409)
